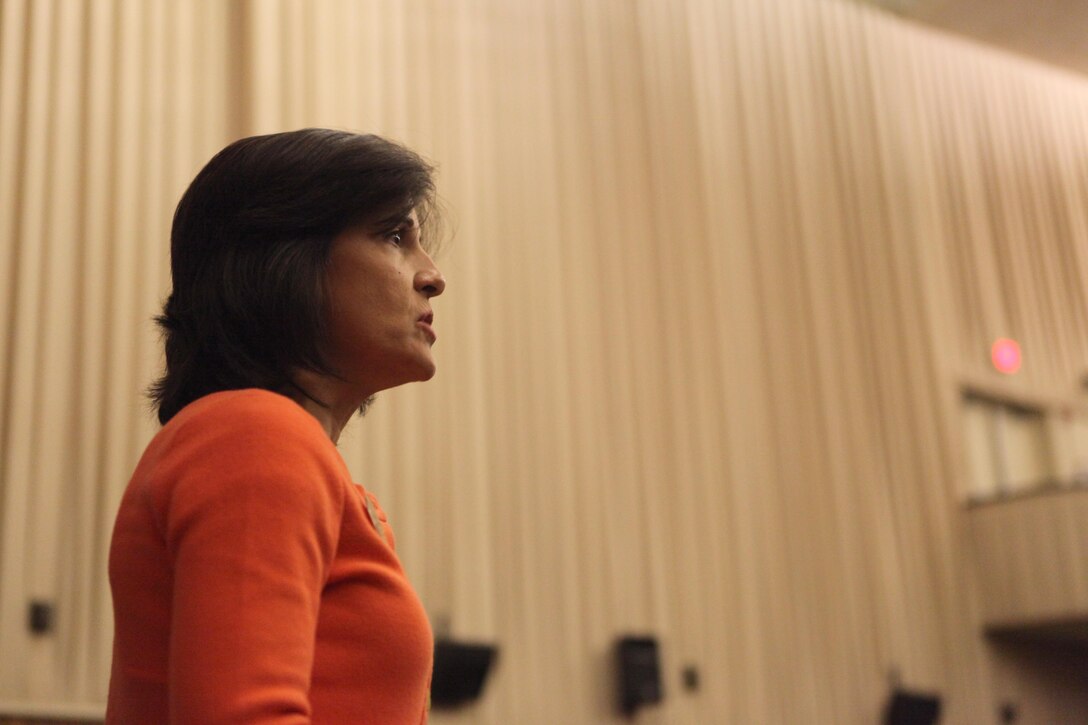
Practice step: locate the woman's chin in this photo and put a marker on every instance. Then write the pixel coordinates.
(417, 372)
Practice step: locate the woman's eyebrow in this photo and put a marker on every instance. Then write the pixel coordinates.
(395, 221)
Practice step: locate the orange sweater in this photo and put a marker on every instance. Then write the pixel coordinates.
(253, 583)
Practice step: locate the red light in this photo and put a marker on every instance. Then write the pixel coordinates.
(1006, 355)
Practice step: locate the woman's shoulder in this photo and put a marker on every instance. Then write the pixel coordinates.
(249, 429)
(248, 416)
(248, 405)
(237, 454)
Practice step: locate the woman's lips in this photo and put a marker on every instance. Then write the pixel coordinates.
(424, 323)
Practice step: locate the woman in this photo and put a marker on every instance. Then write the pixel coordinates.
(253, 581)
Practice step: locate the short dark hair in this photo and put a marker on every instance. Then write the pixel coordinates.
(249, 249)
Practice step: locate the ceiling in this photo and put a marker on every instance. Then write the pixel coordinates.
(1052, 31)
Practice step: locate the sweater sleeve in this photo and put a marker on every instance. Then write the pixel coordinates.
(251, 519)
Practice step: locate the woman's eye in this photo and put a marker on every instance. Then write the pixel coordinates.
(395, 237)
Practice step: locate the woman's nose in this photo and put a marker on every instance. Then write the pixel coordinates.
(430, 281)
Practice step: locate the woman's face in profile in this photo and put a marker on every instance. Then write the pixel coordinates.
(380, 321)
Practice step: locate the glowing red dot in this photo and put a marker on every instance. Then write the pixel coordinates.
(1006, 355)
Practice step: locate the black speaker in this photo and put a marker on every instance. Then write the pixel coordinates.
(459, 672)
(639, 673)
(912, 708)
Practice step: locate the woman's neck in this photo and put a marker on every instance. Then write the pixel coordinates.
(328, 400)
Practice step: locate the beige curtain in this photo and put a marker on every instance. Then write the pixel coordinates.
(720, 270)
